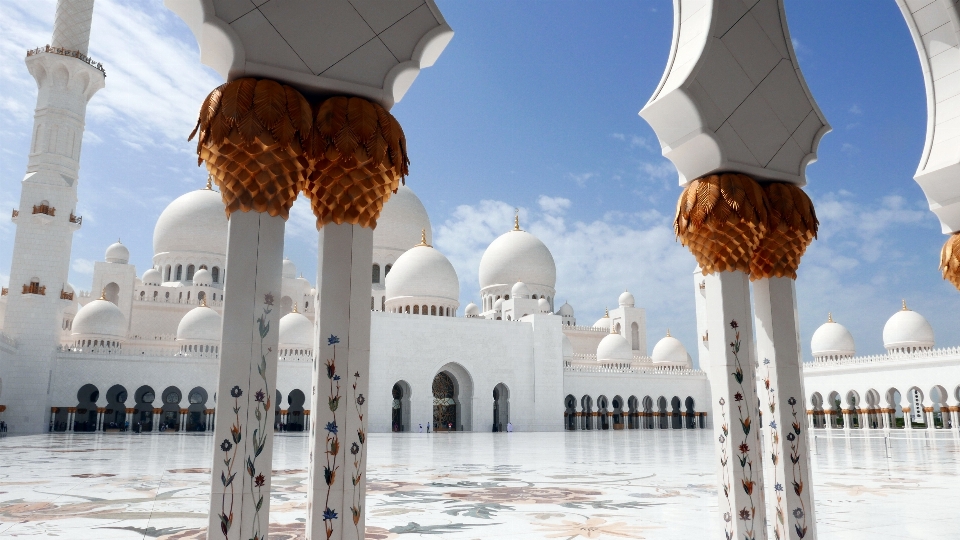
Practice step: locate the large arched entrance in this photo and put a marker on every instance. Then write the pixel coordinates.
(196, 420)
(501, 407)
(570, 413)
(143, 409)
(170, 410)
(452, 399)
(85, 418)
(115, 414)
(400, 409)
(295, 417)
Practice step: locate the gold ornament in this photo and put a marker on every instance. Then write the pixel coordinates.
(790, 227)
(721, 219)
(251, 134)
(950, 260)
(358, 158)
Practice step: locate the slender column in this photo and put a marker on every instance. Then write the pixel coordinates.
(156, 420)
(183, 420)
(778, 347)
(846, 419)
(243, 451)
(100, 418)
(70, 416)
(338, 449)
(53, 417)
(732, 376)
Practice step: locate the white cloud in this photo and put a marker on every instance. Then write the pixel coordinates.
(4, 280)
(581, 179)
(855, 109)
(553, 205)
(659, 170)
(82, 266)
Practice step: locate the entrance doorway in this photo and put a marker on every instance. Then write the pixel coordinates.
(501, 407)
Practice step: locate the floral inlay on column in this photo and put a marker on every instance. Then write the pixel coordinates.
(724, 459)
(775, 453)
(227, 476)
(357, 449)
(799, 513)
(333, 438)
(748, 515)
(261, 409)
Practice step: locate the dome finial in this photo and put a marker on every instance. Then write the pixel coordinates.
(103, 294)
(516, 219)
(203, 301)
(295, 308)
(606, 313)
(829, 317)
(905, 308)
(423, 239)
(209, 182)
(668, 333)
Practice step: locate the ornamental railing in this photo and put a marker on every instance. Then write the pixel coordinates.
(64, 295)
(44, 209)
(35, 288)
(68, 52)
(587, 328)
(15, 213)
(927, 354)
(626, 368)
(75, 218)
(4, 291)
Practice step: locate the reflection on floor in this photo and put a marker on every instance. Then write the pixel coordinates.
(623, 484)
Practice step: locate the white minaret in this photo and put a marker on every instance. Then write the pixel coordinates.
(46, 218)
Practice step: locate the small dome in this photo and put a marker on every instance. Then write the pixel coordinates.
(193, 222)
(289, 269)
(202, 277)
(544, 305)
(669, 350)
(152, 277)
(520, 290)
(304, 283)
(614, 348)
(422, 271)
(400, 222)
(565, 310)
(200, 324)
(604, 322)
(907, 330)
(517, 256)
(100, 318)
(117, 253)
(567, 347)
(627, 300)
(472, 310)
(498, 305)
(832, 340)
(296, 331)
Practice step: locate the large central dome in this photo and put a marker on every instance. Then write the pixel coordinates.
(194, 222)
(517, 256)
(400, 222)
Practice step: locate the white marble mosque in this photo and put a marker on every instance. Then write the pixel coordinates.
(171, 348)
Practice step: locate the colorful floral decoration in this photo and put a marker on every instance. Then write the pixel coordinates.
(724, 459)
(775, 454)
(799, 513)
(227, 476)
(357, 449)
(747, 482)
(261, 412)
(332, 437)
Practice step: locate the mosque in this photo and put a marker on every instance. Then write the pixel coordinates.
(142, 350)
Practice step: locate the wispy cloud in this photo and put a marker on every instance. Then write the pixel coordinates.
(82, 266)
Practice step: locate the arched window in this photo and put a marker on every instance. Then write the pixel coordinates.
(306, 305)
(142, 294)
(215, 273)
(386, 270)
(376, 273)
(416, 310)
(167, 275)
(433, 310)
(155, 293)
(190, 270)
(372, 306)
(179, 273)
(424, 310)
(383, 303)
(200, 296)
(635, 336)
(167, 296)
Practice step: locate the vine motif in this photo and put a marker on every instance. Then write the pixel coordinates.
(746, 464)
(799, 513)
(261, 412)
(725, 432)
(357, 449)
(332, 437)
(227, 477)
(775, 454)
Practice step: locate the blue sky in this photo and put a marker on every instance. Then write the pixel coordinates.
(534, 105)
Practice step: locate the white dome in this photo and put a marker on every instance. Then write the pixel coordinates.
(296, 331)
(627, 300)
(152, 277)
(614, 348)
(498, 305)
(305, 283)
(100, 318)
(669, 350)
(517, 256)
(472, 310)
(289, 269)
(907, 330)
(202, 277)
(400, 222)
(200, 324)
(193, 222)
(832, 340)
(544, 305)
(604, 322)
(117, 253)
(567, 348)
(423, 272)
(520, 290)
(565, 310)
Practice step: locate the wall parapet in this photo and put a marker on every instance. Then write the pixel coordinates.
(930, 354)
(629, 368)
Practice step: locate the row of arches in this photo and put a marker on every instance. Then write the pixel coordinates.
(490, 300)
(376, 272)
(437, 311)
(176, 272)
(891, 410)
(452, 400)
(634, 413)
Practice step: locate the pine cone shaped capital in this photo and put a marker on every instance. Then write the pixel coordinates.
(950, 260)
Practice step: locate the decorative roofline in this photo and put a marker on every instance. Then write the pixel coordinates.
(883, 358)
(70, 53)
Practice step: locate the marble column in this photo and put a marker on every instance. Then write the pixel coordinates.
(788, 442)
(100, 418)
(732, 374)
(846, 419)
(338, 450)
(53, 418)
(155, 423)
(243, 450)
(71, 414)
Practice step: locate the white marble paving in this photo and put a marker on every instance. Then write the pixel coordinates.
(614, 484)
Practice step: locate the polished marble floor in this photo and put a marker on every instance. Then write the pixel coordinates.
(622, 484)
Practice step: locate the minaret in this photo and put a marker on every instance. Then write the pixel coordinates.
(46, 218)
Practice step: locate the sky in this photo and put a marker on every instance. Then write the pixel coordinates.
(533, 105)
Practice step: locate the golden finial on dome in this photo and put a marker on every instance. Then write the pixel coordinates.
(209, 182)
(295, 308)
(103, 294)
(203, 301)
(668, 333)
(516, 219)
(905, 308)
(606, 313)
(829, 317)
(423, 239)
